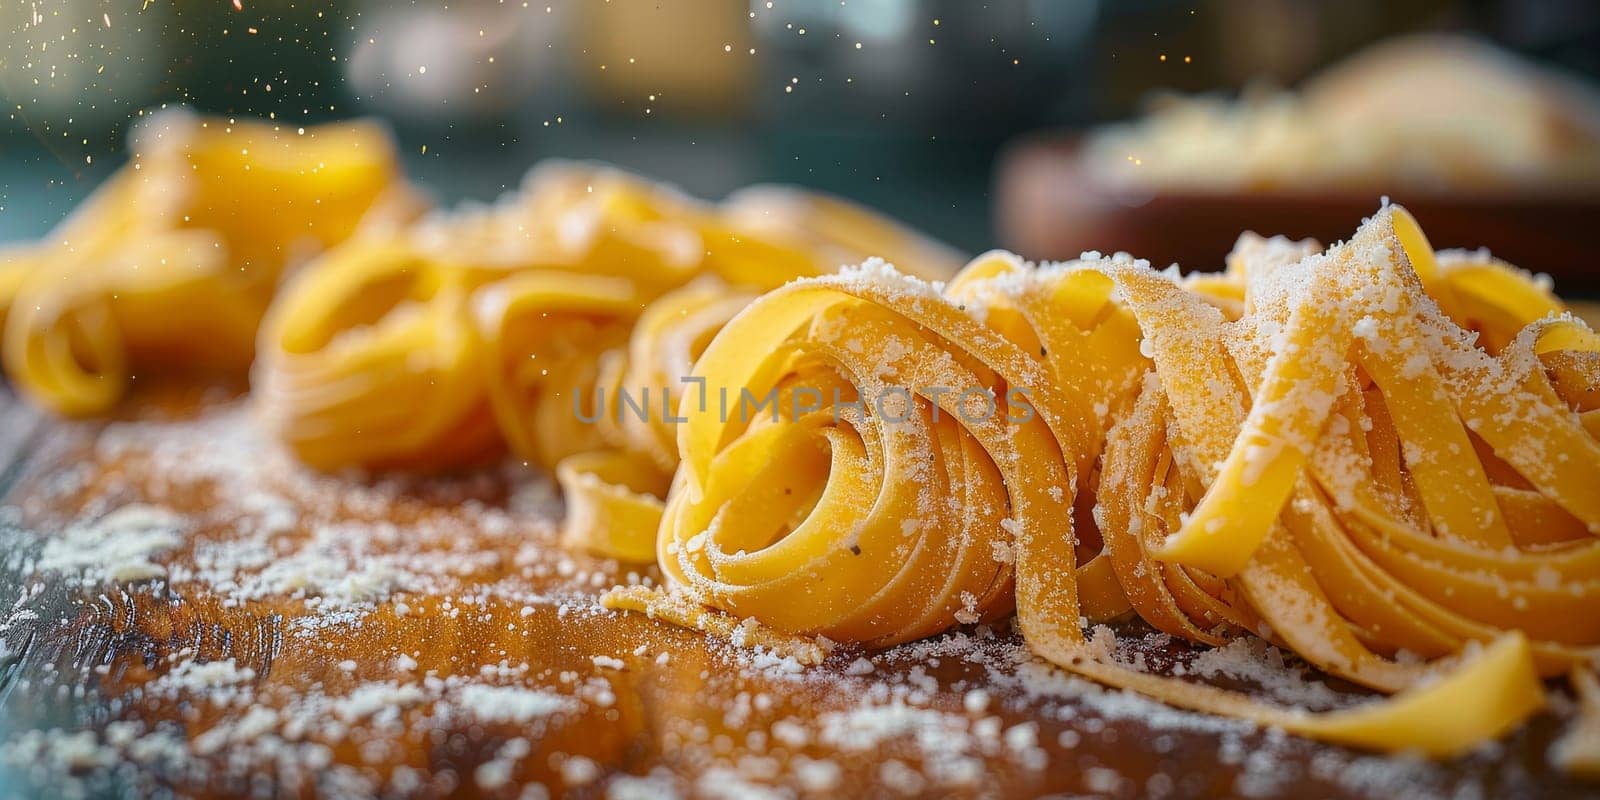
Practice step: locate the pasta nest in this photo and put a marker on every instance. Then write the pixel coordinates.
(1364, 455)
(171, 263)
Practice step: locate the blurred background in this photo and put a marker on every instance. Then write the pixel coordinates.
(905, 105)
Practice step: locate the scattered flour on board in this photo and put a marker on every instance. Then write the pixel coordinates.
(919, 728)
(116, 547)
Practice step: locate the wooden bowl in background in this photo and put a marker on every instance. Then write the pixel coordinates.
(1048, 207)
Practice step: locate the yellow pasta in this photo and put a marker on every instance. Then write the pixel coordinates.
(1364, 455)
(843, 226)
(556, 323)
(1352, 453)
(172, 262)
(1578, 751)
(613, 494)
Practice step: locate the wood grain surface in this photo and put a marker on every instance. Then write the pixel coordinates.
(417, 637)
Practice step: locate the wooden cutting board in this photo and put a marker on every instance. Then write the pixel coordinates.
(278, 633)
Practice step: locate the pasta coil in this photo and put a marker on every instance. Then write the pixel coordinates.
(1352, 453)
(172, 262)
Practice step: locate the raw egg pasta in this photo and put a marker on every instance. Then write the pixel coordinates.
(558, 322)
(1364, 455)
(1379, 457)
(170, 264)
(613, 494)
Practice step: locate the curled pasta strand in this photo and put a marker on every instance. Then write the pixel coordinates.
(172, 262)
(1352, 453)
(1578, 750)
(335, 397)
(558, 323)
(614, 495)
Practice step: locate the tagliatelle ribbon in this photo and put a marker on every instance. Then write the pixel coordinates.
(407, 392)
(605, 413)
(1354, 453)
(1578, 750)
(614, 495)
(489, 313)
(559, 322)
(171, 263)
